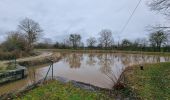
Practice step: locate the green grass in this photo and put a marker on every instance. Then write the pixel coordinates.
(6, 67)
(2, 67)
(152, 83)
(58, 91)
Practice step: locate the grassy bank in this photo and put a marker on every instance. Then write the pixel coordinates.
(56, 90)
(5, 67)
(106, 51)
(152, 83)
(5, 55)
(40, 60)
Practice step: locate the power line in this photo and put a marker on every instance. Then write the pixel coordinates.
(124, 27)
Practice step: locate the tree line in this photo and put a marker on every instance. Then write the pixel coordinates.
(29, 31)
(157, 41)
(25, 38)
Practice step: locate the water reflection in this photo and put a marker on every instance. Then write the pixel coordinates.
(108, 66)
(17, 85)
(91, 59)
(99, 69)
(74, 60)
(105, 62)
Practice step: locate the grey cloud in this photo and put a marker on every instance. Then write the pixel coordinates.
(59, 18)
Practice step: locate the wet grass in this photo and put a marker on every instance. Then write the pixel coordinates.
(152, 83)
(56, 90)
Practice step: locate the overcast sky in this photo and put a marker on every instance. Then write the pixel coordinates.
(59, 18)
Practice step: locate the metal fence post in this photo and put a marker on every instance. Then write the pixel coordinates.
(15, 61)
(52, 71)
(47, 73)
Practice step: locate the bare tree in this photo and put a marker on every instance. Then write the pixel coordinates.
(91, 42)
(157, 39)
(160, 5)
(57, 44)
(106, 38)
(15, 41)
(126, 43)
(143, 43)
(66, 43)
(32, 31)
(75, 40)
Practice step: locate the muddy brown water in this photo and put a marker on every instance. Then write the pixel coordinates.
(99, 69)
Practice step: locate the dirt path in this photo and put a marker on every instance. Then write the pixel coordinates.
(42, 55)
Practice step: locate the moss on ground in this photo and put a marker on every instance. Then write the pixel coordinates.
(152, 83)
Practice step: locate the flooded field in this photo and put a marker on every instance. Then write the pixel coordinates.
(99, 69)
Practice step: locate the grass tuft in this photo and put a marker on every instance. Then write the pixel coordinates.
(56, 90)
(151, 83)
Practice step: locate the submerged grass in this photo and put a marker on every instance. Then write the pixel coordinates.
(56, 90)
(106, 51)
(152, 83)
